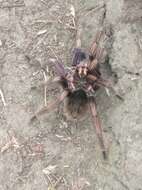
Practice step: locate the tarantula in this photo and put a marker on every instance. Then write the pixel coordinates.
(79, 83)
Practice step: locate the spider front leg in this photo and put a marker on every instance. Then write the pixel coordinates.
(95, 52)
(50, 106)
(97, 126)
(94, 49)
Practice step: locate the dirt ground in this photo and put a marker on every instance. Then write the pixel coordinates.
(53, 153)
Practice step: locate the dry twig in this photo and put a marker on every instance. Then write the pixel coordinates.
(45, 88)
(11, 6)
(2, 98)
(12, 143)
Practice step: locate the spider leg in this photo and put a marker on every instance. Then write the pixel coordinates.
(92, 77)
(97, 126)
(49, 82)
(107, 84)
(94, 46)
(70, 81)
(92, 64)
(99, 53)
(96, 53)
(52, 105)
(58, 67)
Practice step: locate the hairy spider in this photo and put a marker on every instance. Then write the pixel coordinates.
(79, 82)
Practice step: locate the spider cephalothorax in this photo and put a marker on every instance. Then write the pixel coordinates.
(79, 83)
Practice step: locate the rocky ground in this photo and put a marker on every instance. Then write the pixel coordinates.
(53, 153)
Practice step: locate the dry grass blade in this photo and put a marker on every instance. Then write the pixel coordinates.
(93, 9)
(50, 169)
(41, 32)
(53, 52)
(72, 11)
(78, 38)
(107, 91)
(12, 6)
(2, 97)
(15, 142)
(51, 187)
(45, 88)
(6, 147)
(80, 184)
(49, 172)
(12, 143)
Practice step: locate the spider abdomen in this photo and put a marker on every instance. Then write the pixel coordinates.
(76, 104)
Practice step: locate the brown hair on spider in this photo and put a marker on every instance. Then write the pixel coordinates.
(79, 82)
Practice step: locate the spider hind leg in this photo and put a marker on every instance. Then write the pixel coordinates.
(97, 126)
(50, 106)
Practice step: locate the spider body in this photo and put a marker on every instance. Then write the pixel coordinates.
(80, 87)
